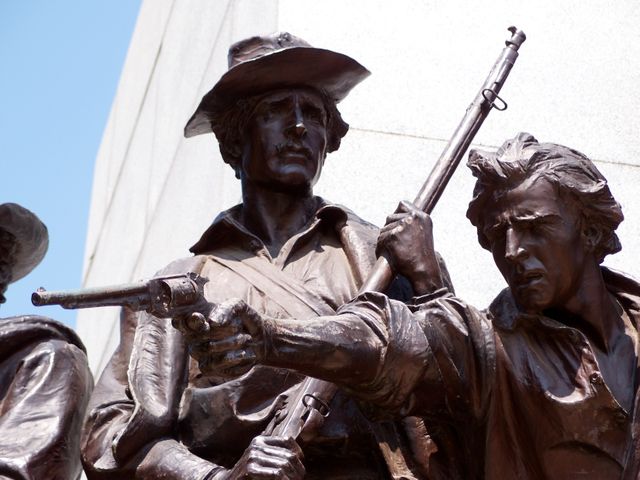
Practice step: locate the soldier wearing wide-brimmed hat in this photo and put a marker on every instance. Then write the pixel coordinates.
(46, 379)
(23, 243)
(263, 64)
(287, 253)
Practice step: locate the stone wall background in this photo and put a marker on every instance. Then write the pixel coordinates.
(577, 82)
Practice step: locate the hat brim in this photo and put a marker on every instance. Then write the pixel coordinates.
(31, 235)
(332, 72)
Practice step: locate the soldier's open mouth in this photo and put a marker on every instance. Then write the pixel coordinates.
(529, 278)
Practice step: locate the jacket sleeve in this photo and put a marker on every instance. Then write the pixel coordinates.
(130, 431)
(438, 356)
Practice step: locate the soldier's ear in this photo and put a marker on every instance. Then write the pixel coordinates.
(235, 151)
(592, 236)
(232, 154)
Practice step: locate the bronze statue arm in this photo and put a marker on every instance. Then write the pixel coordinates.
(335, 347)
(432, 360)
(340, 349)
(343, 347)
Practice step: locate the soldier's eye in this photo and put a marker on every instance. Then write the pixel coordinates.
(539, 225)
(272, 110)
(495, 234)
(267, 111)
(314, 114)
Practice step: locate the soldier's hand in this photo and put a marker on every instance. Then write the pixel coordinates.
(231, 339)
(194, 326)
(407, 242)
(268, 458)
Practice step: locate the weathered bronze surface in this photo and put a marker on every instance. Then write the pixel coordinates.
(313, 397)
(543, 383)
(45, 381)
(288, 254)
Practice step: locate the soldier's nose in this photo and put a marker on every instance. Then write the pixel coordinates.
(514, 250)
(298, 129)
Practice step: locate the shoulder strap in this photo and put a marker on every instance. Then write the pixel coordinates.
(300, 302)
(294, 297)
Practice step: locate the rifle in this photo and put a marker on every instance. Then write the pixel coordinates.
(382, 274)
(180, 294)
(314, 396)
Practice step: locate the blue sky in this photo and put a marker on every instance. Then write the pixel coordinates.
(60, 61)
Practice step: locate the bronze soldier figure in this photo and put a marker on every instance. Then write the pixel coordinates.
(284, 251)
(45, 381)
(543, 383)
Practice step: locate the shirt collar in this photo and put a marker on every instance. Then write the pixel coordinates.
(507, 316)
(226, 228)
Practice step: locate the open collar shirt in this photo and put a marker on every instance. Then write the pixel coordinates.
(315, 257)
(147, 418)
(505, 395)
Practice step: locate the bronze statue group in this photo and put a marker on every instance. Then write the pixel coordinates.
(540, 385)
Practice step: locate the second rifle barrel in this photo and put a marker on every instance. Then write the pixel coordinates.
(472, 121)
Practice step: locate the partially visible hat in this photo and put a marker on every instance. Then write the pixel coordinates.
(281, 60)
(31, 235)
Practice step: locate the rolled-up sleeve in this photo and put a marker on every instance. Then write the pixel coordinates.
(438, 356)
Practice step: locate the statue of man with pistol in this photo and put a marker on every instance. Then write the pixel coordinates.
(285, 252)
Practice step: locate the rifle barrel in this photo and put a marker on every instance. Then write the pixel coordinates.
(382, 274)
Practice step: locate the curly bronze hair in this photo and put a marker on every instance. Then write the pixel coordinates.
(571, 172)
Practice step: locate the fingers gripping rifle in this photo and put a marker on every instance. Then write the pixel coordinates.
(314, 396)
(486, 100)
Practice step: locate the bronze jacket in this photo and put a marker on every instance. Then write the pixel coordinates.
(504, 394)
(45, 385)
(153, 415)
